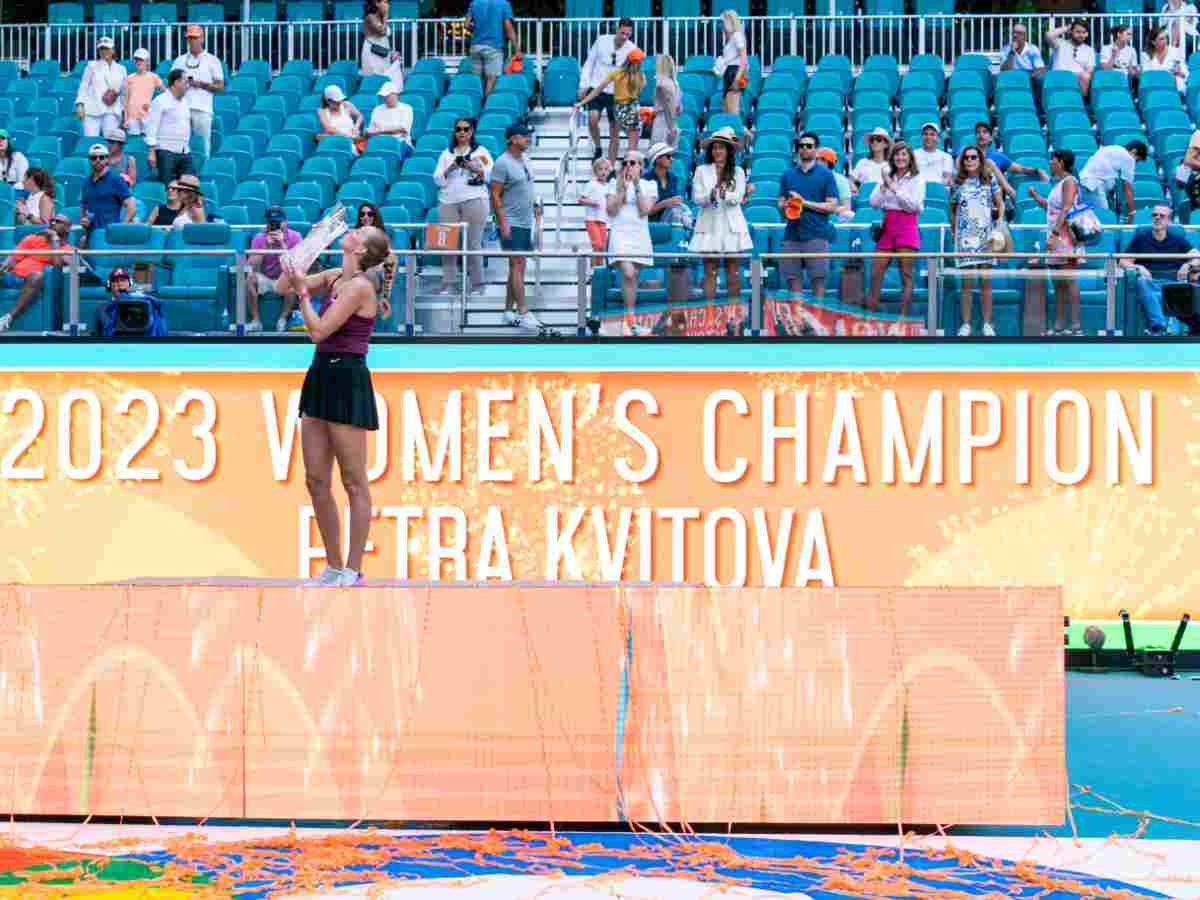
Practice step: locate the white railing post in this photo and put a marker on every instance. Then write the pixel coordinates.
(933, 312)
(794, 37)
(921, 23)
(415, 48)
(73, 324)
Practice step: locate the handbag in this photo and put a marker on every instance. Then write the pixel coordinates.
(1084, 223)
(380, 50)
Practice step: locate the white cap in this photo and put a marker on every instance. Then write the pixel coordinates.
(141, 53)
(879, 132)
(387, 89)
(933, 125)
(105, 42)
(334, 94)
(97, 150)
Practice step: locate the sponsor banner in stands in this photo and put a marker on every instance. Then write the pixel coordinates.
(799, 316)
(707, 320)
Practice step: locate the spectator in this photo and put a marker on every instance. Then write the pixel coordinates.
(733, 65)
(630, 199)
(106, 195)
(976, 203)
(627, 81)
(140, 88)
(369, 216)
(377, 54)
(461, 176)
(608, 52)
(1161, 56)
(872, 169)
(169, 130)
(125, 166)
(808, 194)
(668, 101)
(191, 202)
(490, 21)
(1024, 56)
(205, 77)
(394, 118)
(1061, 250)
(98, 103)
(512, 203)
(594, 200)
(829, 158)
(1154, 273)
(1180, 20)
(166, 213)
(1122, 55)
(38, 207)
(934, 163)
(1003, 165)
(1072, 53)
(338, 115)
(901, 196)
(1107, 166)
(13, 164)
(669, 206)
(264, 269)
(718, 188)
(25, 266)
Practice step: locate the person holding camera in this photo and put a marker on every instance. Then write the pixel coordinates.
(264, 269)
(205, 77)
(461, 175)
(168, 130)
(98, 102)
(25, 266)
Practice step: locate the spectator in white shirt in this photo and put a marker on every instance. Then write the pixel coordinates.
(392, 117)
(1161, 56)
(461, 175)
(872, 168)
(1179, 18)
(1022, 55)
(933, 163)
(1107, 166)
(205, 77)
(1072, 53)
(98, 103)
(1122, 55)
(168, 130)
(608, 52)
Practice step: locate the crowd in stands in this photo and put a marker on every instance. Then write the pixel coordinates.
(821, 152)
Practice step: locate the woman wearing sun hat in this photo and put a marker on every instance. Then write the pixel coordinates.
(98, 102)
(718, 189)
(870, 169)
(191, 202)
(627, 81)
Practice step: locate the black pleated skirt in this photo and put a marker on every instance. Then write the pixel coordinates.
(337, 388)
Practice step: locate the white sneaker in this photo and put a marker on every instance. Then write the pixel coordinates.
(511, 318)
(328, 578)
(349, 578)
(988, 330)
(253, 325)
(530, 321)
(281, 324)
(964, 330)
(6, 322)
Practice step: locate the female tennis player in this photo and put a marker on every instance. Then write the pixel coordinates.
(337, 403)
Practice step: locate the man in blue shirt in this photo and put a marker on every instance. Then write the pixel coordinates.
(1156, 272)
(490, 21)
(106, 195)
(807, 196)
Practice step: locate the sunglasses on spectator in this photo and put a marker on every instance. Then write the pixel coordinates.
(876, 137)
(94, 158)
(366, 214)
(633, 162)
(808, 145)
(461, 128)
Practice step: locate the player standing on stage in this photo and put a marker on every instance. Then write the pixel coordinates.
(337, 403)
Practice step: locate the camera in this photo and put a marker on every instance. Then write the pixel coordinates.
(274, 226)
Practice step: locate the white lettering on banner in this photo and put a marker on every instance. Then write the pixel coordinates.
(403, 516)
(929, 444)
(844, 430)
(92, 411)
(968, 439)
(125, 469)
(455, 551)
(561, 444)
(1139, 450)
(493, 562)
(1083, 442)
(489, 431)
(448, 453)
(9, 470)
(281, 443)
(712, 467)
(625, 400)
(797, 433)
(1021, 438)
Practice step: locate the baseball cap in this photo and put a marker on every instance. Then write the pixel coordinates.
(275, 215)
(387, 89)
(98, 150)
(334, 94)
(105, 42)
(141, 53)
(517, 128)
(195, 31)
(827, 155)
(933, 125)
(879, 132)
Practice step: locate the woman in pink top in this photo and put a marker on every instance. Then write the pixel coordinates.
(337, 402)
(901, 196)
(139, 89)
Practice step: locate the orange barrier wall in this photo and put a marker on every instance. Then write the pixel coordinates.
(534, 703)
(113, 476)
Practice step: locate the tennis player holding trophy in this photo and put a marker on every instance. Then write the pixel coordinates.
(337, 403)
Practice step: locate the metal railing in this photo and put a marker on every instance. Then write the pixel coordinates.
(947, 36)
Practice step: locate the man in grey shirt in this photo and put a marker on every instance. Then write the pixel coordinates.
(512, 202)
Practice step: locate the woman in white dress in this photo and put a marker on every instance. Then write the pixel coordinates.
(38, 207)
(718, 189)
(1162, 55)
(630, 200)
(668, 101)
(377, 52)
(733, 65)
(871, 169)
(1061, 250)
